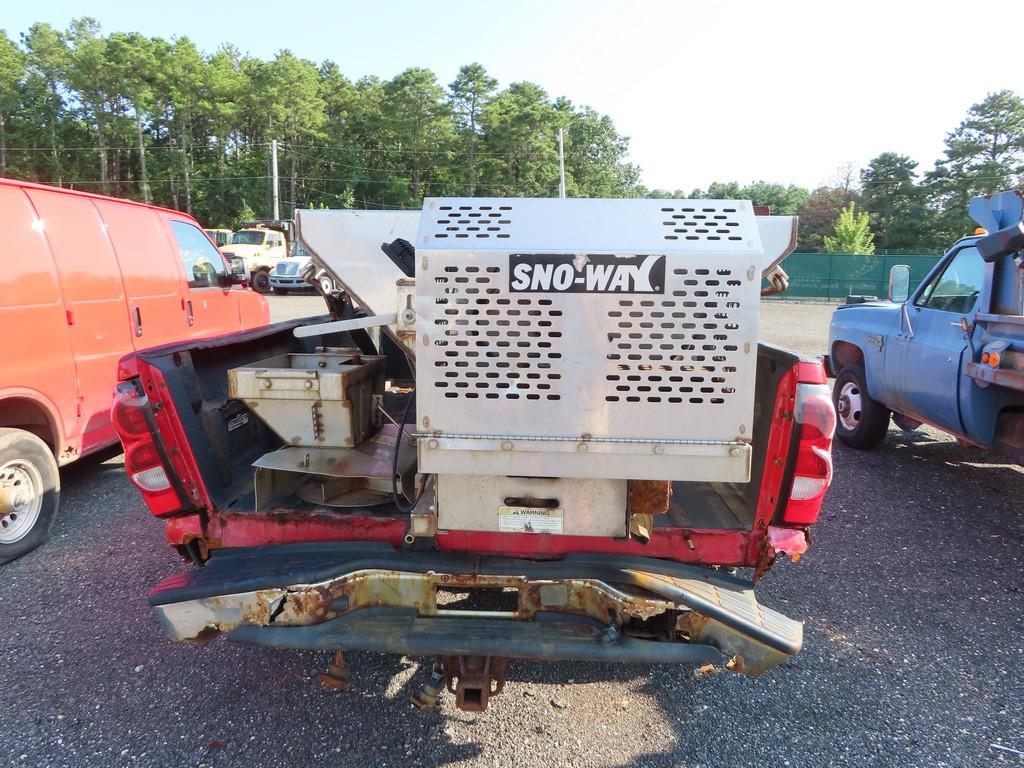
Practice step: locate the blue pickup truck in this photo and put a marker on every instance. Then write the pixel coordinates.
(950, 352)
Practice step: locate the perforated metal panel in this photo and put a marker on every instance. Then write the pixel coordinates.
(542, 354)
(492, 345)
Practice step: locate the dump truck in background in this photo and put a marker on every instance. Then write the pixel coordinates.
(255, 250)
(950, 352)
(526, 429)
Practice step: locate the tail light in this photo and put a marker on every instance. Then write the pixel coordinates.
(816, 419)
(145, 457)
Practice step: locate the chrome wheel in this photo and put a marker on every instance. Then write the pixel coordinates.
(21, 499)
(849, 406)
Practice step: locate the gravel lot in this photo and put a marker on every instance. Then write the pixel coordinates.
(911, 594)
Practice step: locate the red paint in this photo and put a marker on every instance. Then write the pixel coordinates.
(182, 529)
(79, 270)
(811, 372)
(709, 547)
(791, 541)
(774, 472)
(251, 529)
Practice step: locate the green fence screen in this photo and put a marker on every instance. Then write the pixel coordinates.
(836, 275)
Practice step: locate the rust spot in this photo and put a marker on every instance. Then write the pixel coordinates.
(706, 670)
(735, 664)
(649, 497)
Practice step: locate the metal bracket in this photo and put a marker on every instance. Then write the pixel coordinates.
(905, 316)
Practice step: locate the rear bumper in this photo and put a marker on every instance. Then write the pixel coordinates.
(349, 596)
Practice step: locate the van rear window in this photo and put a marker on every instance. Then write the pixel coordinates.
(203, 262)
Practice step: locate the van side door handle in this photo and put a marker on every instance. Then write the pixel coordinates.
(189, 313)
(137, 317)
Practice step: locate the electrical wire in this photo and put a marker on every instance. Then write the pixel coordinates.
(424, 479)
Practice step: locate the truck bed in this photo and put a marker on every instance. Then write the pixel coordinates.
(706, 522)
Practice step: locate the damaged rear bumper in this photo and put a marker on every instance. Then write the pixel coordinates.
(355, 596)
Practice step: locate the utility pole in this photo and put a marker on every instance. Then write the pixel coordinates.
(273, 164)
(561, 165)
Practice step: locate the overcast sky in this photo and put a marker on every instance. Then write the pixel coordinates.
(780, 91)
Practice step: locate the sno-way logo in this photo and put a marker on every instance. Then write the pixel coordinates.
(563, 273)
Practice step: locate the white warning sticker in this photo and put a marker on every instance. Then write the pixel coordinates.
(529, 520)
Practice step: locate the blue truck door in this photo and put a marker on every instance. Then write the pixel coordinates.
(931, 360)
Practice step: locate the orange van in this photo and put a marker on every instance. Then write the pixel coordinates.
(88, 279)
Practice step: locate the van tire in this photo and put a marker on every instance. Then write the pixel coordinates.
(261, 281)
(861, 421)
(29, 492)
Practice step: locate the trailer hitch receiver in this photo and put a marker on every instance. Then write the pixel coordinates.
(474, 679)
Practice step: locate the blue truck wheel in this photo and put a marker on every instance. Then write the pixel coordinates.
(861, 422)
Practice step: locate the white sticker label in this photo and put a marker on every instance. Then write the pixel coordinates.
(238, 421)
(529, 520)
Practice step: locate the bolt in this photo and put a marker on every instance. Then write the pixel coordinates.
(659, 449)
(582, 447)
(506, 445)
(734, 451)
(433, 444)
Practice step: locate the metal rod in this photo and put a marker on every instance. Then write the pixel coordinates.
(273, 165)
(561, 165)
(345, 325)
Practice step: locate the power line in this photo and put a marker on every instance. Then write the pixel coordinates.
(182, 179)
(149, 148)
(387, 150)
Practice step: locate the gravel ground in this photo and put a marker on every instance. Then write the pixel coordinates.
(911, 594)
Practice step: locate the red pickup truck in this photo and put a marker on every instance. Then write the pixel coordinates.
(294, 547)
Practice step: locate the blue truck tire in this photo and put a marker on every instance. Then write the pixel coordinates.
(861, 421)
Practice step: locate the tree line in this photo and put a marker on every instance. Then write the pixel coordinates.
(163, 122)
(160, 121)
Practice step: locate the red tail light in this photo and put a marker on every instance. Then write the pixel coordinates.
(813, 473)
(145, 458)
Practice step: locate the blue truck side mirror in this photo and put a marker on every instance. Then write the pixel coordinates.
(899, 283)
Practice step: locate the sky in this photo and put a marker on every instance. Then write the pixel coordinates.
(779, 91)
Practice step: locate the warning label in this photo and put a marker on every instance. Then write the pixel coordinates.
(529, 520)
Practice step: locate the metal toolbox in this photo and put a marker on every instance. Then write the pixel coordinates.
(323, 398)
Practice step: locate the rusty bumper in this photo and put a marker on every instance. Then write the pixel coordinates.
(373, 598)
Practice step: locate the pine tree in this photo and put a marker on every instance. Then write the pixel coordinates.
(853, 233)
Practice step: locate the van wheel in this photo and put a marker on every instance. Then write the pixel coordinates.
(29, 492)
(861, 422)
(261, 281)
